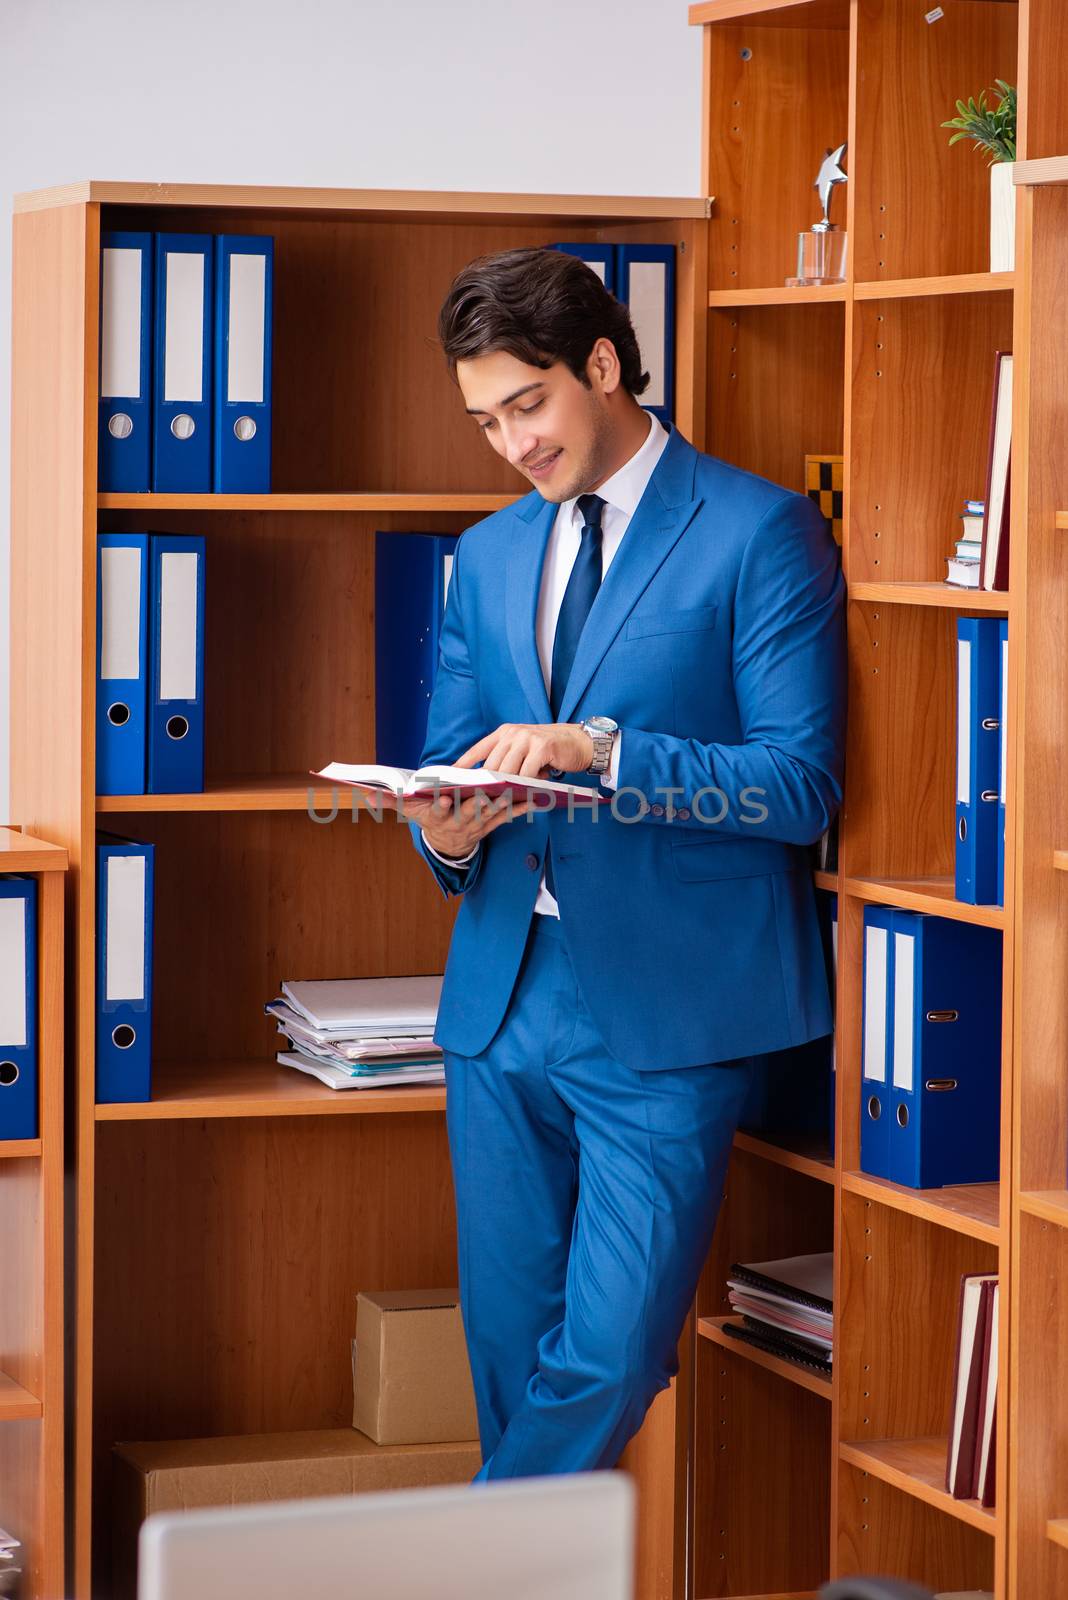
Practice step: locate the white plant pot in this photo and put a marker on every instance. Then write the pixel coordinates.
(1002, 217)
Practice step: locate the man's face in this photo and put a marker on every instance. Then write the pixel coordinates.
(551, 428)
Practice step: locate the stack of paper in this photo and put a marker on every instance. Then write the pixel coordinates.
(10, 1565)
(786, 1307)
(361, 1033)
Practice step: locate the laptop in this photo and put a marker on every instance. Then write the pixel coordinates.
(567, 1537)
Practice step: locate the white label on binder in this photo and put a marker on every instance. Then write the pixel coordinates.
(13, 973)
(647, 298)
(446, 577)
(598, 267)
(178, 625)
(120, 612)
(248, 294)
(1003, 729)
(964, 721)
(834, 953)
(875, 1004)
(120, 323)
(124, 977)
(904, 991)
(183, 353)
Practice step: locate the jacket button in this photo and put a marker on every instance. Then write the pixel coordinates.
(532, 862)
(657, 809)
(682, 813)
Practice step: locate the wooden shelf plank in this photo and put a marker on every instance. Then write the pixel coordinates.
(1057, 1531)
(16, 1403)
(814, 1162)
(369, 501)
(918, 1467)
(1061, 519)
(772, 13)
(954, 283)
(819, 294)
(1044, 169)
(469, 203)
(932, 594)
(826, 880)
(21, 852)
(282, 791)
(972, 1209)
(934, 895)
(1060, 860)
(1051, 1205)
(805, 1377)
(262, 1088)
(17, 1149)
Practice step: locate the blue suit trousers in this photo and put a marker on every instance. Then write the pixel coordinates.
(587, 1194)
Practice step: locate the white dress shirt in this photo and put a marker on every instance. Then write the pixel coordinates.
(621, 494)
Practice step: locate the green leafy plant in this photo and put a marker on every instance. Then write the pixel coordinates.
(992, 127)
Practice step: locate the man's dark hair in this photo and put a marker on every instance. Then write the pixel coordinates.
(541, 306)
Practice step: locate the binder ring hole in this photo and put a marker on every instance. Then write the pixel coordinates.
(120, 426)
(875, 1109)
(183, 426)
(962, 829)
(177, 727)
(902, 1116)
(118, 714)
(9, 1074)
(245, 429)
(123, 1036)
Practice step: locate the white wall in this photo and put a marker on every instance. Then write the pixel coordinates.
(558, 96)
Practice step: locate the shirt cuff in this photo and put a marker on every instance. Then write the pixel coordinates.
(610, 779)
(451, 861)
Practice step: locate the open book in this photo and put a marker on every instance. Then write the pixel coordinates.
(426, 782)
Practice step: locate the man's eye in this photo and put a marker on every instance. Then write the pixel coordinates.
(526, 410)
(486, 426)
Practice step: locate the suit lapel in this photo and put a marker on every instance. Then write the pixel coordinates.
(661, 517)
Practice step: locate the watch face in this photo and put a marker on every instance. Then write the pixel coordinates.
(601, 724)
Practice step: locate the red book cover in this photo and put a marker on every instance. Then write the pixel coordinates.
(967, 1378)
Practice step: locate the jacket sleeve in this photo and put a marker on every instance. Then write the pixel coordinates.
(784, 780)
(454, 724)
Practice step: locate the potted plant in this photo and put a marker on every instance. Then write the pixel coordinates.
(993, 129)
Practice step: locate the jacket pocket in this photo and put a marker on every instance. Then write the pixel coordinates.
(694, 619)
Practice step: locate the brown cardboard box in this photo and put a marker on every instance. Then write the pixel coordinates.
(410, 1373)
(180, 1474)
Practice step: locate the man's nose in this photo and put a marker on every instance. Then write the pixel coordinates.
(520, 446)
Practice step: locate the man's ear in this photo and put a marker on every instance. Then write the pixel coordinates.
(602, 366)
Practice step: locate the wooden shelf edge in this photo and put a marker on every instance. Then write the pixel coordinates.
(711, 1328)
(1060, 860)
(914, 1466)
(819, 294)
(23, 852)
(282, 791)
(375, 500)
(705, 12)
(946, 1208)
(16, 1403)
(1057, 1531)
(1049, 1205)
(952, 283)
(931, 594)
(812, 1166)
(933, 895)
(263, 1088)
(19, 1149)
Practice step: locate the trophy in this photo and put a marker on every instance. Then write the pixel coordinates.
(821, 249)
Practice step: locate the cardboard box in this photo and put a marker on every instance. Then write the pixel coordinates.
(410, 1373)
(180, 1474)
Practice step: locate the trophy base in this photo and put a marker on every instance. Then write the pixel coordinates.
(821, 258)
(810, 283)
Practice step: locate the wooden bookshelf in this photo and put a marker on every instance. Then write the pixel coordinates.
(242, 1209)
(31, 1258)
(892, 369)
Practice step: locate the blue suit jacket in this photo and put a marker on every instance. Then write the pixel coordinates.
(717, 642)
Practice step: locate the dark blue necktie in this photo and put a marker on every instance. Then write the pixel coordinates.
(581, 591)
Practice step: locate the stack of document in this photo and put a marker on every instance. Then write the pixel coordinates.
(361, 1033)
(786, 1307)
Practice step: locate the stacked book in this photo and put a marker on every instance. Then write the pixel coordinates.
(962, 568)
(786, 1307)
(361, 1033)
(971, 1457)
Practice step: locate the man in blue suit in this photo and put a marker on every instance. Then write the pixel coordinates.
(668, 630)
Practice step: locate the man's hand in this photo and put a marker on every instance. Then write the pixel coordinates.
(455, 830)
(529, 749)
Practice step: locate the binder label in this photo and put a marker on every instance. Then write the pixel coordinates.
(248, 294)
(964, 702)
(904, 989)
(183, 357)
(124, 978)
(875, 1004)
(120, 612)
(647, 299)
(178, 626)
(1004, 732)
(13, 1022)
(120, 346)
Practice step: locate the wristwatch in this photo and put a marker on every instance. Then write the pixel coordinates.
(602, 730)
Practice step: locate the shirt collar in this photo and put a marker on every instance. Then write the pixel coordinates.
(625, 487)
